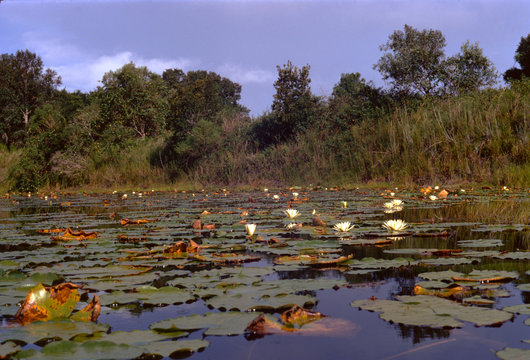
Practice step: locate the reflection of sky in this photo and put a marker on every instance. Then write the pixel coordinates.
(245, 40)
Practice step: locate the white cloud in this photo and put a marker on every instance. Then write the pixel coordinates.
(245, 76)
(80, 71)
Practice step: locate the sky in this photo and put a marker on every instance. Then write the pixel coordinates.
(245, 40)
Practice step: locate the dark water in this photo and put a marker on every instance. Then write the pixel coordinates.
(368, 337)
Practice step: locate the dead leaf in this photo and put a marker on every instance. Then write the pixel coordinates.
(196, 224)
(208, 227)
(48, 303)
(126, 221)
(443, 194)
(70, 234)
(300, 316)
(318, 221)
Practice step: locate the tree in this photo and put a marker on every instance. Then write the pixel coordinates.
(468, 70)
(133, 97)
(199, 95)
(522, 56)
(24, 86)
(354, 99)
(413, 61)
(199, 103)
(293, 104)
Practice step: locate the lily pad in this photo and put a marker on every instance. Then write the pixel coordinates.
(431, 311)
(513, 354)
(518, 309)
(479, 243)
(224, 323)
(60, 329)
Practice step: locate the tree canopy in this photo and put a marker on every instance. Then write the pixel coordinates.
(24, 86)
(415, 64)
(413, 60)
(522, 56)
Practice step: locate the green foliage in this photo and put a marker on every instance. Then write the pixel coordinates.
(522, 56)
(135, 98)
(468, 71)
(415, 64)
(198, 95)
(353, 99)
(24, 86)
(293, 105)
(413, 61)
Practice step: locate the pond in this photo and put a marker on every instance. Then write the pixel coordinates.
(179, 275)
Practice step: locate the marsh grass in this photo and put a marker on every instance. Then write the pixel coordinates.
(483, 137)
(7, 159)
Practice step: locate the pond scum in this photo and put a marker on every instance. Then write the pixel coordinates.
(218, 274)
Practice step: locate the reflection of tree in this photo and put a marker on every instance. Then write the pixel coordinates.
(420, 333)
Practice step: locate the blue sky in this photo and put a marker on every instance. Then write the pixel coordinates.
(245, 40)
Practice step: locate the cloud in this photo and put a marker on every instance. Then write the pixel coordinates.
(86, 75)
(246, 76)
(81, 71)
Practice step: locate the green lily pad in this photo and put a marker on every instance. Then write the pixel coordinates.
(176, 349)
(518, 309)
(513, 354)
(91, 349)
(431, 311)
(61, 329)
(524, 287)
(148, 295)
(8, 348)
(224, 323)
(480, 243)
(371, 263)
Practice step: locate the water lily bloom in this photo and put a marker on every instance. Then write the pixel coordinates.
(432, 197)
(314, 211)
(295, 194)
(276, 196)
(395, 225)
(251, 228)
(343, 226)
(344, 204)
(292, 226)
(393, 209)
(291, 213)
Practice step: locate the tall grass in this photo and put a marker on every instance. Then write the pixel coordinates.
(481, 137)
(7, 159)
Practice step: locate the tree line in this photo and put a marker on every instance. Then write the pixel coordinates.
(197, 115)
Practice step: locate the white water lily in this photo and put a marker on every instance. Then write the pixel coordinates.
(276, 197)
(395, 225)
(291, 213)
(251, 228)
(344, 204)
(393, 209)
(314, 212)
(394, 204)
(343, 226)
(433, 197)
(295, 195)
(265, 190)
(291, 226)
(436, 187)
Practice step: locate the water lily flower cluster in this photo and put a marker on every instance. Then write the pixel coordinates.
(251, 228)
(344, 226)
(393, 206)
(395, 225)
(291, 213)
